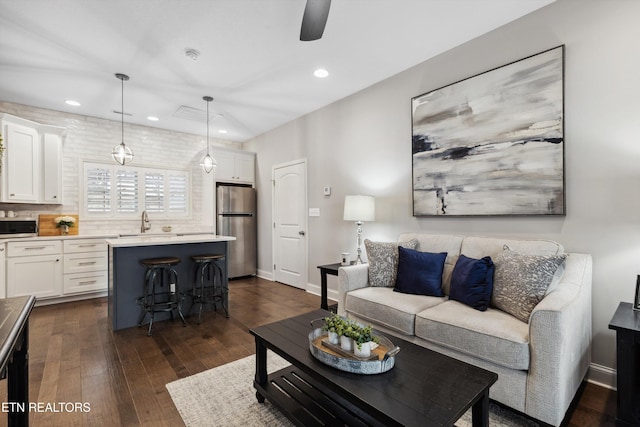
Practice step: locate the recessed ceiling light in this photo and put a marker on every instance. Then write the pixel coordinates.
(222, 131)
(321, 73)
(72, 103)
(153, 118)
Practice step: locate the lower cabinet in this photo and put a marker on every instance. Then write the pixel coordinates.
(85, 266)
(38, 275)
(56, 268)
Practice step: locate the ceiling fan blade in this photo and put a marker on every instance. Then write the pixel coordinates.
(314, 19)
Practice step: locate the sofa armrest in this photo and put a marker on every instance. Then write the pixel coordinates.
(349, 278)
(560, 342)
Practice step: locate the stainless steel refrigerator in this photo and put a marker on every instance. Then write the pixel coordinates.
(236, 216)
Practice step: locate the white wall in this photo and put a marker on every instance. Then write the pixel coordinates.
(362, 144)
(90, 138)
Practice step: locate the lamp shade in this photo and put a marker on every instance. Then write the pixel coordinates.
(359, 208)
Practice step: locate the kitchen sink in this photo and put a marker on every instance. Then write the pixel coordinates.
(148, 235)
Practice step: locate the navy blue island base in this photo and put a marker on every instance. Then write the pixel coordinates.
(126, 274)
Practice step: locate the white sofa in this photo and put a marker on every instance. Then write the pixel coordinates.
(540, 365)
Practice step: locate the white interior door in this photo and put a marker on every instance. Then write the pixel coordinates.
(290, 224)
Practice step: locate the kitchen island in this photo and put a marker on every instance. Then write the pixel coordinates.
(126, 274)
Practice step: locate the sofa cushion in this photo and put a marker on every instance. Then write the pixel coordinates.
(492, 335)
(383, 261)
(521, 281)
(472, 282)
(420, 273)
(384, 307)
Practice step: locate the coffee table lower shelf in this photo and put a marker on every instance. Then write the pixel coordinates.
(306, 403)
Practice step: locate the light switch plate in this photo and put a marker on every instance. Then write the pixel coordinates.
(314, 211)
(326, 191)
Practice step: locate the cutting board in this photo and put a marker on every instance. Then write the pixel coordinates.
(47, 225)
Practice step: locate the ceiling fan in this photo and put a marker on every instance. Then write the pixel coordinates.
(314, 19)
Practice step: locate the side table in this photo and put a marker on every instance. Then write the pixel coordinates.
(626, 323)
(324, 270)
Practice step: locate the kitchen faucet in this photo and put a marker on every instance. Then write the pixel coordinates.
(145, 223)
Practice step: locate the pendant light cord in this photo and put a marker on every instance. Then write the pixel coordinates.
(208, 126)
(122, 109)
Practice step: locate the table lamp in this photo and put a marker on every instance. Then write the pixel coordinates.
(359, 209)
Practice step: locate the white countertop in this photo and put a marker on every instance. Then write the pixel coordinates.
(67, 237)
(159, 239)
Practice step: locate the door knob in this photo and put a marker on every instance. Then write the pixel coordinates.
(301, 233)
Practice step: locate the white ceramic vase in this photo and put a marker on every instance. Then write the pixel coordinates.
(334, 338)
(364, 350)
(346, 343)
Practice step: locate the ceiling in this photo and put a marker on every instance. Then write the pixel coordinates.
(251, 59)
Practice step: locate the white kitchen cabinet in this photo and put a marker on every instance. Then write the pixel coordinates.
(235, 166)
(34, 268)
(85, 266)
(52, 168)
(32, 162)
(20, 164)
(53, 268)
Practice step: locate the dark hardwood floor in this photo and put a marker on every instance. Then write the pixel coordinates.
(74, 357)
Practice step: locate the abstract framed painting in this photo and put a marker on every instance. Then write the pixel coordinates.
(492, 144)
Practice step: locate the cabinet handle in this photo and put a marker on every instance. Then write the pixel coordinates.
(55, 197)
(12, 194)
(86, 263)
(87, 245)
(88, 282)
(2, 249)
(29, 248)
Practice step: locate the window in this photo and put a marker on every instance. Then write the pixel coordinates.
(154, 192)
(112, 191)
(98, 190)
(127, 191)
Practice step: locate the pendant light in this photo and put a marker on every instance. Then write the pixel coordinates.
(121, 153)
(208, 163)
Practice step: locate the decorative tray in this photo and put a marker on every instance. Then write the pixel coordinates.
(382, 357)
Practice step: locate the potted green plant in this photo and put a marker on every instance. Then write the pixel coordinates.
(363, 337)
(333, 324)
(346, 337)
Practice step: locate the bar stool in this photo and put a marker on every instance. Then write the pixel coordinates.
(209, 286)
(161, 290)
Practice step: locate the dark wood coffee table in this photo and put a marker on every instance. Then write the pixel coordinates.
(424, 388)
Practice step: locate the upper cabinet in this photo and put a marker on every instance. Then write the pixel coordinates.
(31, 162)
(235, 166)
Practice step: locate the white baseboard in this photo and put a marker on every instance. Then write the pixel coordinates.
(264, 274)
(317, 290)
(602, 376)
(70, 298)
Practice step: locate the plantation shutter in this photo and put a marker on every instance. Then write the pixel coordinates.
(178, 194)
(127, 191)
(98, 189)
(154, 192)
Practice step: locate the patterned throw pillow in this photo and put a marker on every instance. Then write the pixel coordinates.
(521, 281)
(383, 261)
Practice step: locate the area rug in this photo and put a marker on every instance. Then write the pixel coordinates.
(224, 396)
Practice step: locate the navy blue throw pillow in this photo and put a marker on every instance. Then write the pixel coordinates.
(472, 282)
(420, 273)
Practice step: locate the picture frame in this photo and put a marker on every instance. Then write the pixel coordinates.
(492, 144)
(636, 300)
